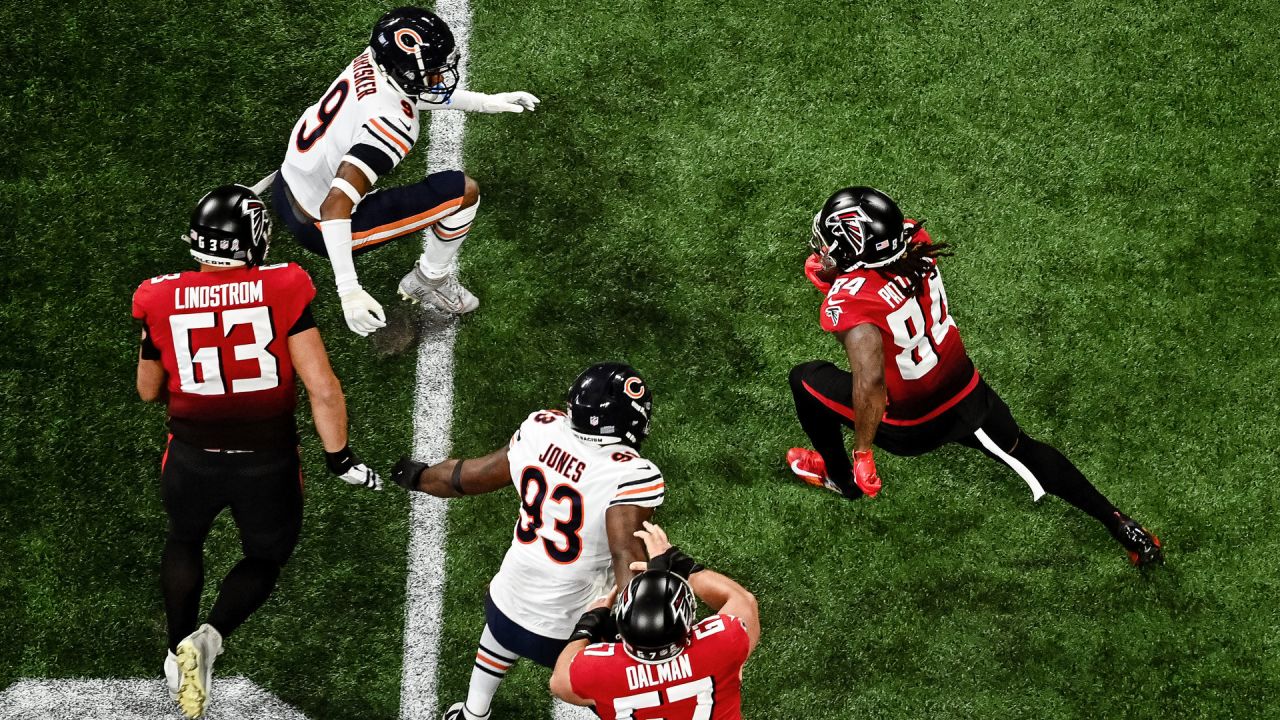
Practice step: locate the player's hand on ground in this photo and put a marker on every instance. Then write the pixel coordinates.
(515, 102)
(347, 466)
(864, 472)
(363, 313)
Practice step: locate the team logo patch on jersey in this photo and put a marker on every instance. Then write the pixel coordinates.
(833, 312)
(848, 224)
(403, 35)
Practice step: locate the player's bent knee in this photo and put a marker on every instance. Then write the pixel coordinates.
(799, 374)
(470, 191)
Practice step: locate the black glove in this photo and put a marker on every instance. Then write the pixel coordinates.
(595, 626)
(673, 560)
(347, 466)
(407, 471)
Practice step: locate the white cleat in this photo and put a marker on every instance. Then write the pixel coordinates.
(445, 293)
(196, 654)
(172, 675)
(458, 711)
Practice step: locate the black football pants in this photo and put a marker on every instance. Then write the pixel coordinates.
(823, 395)
(263, 489)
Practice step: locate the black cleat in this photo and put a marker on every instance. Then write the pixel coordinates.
(1144, 547)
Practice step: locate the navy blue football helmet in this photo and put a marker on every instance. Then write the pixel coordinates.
(612, 400)
(417, 52)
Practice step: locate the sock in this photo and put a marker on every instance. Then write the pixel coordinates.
(443, 240)
(181, 578)
(492, 664)
(244, 590)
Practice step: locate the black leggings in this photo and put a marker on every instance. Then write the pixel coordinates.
(263, 489)
(823, 393)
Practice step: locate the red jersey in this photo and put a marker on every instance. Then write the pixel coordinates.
(926, 368)
(223, 340)
(702, 683)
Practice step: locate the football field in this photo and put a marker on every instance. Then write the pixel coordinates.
(1108, 174)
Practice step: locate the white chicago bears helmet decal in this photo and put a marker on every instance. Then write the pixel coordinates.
(633, 387)
(403, 35)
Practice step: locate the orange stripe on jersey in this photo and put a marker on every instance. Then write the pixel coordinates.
(640, 491)
(404, 226)
(492, 663)
(389, 135)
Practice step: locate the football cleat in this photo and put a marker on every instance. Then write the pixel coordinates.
(196, 654)
(458, 711)
(172, 675)
(1144, 548)
(808, 466)
(445, 293)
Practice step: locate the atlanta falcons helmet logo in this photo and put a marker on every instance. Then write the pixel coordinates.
(848, 224)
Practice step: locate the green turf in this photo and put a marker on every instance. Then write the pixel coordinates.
(1107, 173)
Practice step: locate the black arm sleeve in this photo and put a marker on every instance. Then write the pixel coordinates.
(305, 321)
(149, 349)
(378, 160)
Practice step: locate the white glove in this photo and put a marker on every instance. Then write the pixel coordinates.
(347, 466)
(363, 313)
(516, 101)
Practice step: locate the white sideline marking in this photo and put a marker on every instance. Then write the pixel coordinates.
(235, 698)
(432, 424)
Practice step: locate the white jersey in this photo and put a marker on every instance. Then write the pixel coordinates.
(362, 120)
(559, 560)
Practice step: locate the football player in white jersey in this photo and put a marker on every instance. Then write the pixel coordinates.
(584, 493)
(361, 128)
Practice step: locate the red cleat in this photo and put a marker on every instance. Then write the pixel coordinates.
(808, 466)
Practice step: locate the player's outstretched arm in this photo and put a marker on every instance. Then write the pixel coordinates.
(363, 314)
(724, 595)
(866, 359)
(622, 522)
(454, 477)
(328, 408)
(467, 100)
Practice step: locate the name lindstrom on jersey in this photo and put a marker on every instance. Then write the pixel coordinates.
(203, 296)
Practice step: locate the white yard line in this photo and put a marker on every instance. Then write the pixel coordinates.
(432, 423)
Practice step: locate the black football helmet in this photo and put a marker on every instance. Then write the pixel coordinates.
(230, 227)
(655, 614)
(860, 227)
(411, 46)
(611, 399)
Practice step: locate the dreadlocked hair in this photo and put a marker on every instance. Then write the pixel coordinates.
(916, 264)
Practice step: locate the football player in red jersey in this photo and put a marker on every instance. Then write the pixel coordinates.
(913, 387)
(221, 346)
(663, 664)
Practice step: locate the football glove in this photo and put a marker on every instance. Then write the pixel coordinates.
(816, 271)
(595, 626)
(347, 466)
(514, 102)
(675, 561)
(864, 472)
(407, 471)
(363, 313)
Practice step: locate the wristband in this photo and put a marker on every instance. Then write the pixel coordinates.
(347, 189)
(674, 560)
(591, 626)
(341, 461)
(456, 478)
